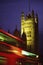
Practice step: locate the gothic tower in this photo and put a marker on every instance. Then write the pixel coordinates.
(30, 24)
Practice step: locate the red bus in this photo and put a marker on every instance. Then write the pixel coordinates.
(12, 51)
(10, 55)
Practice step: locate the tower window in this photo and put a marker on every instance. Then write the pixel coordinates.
(29, 35)
(29, 32)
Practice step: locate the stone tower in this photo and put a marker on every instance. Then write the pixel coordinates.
(30, 24)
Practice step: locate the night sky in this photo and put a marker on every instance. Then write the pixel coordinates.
(10, 13)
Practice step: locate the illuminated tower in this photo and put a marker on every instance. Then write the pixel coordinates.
(29, 24)
(22, 22)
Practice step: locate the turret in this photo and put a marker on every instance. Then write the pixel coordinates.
(32, 13)
(22, 22)
(37, 17)
(16, 32)
(36, 33)
(22, 16)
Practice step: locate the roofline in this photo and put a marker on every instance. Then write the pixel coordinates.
(6, 33)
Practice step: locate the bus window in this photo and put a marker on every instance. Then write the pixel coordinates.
(3, 60)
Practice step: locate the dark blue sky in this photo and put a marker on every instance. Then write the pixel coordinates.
(10, 12)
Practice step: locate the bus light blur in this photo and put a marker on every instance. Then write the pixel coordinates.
(29, 54)
(37, 56)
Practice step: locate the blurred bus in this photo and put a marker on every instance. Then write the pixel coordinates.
(12, 51)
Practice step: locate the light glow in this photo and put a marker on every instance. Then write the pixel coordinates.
(21, 52)
(16, 51)
(1, 38)
(37, 56)
(28, 53)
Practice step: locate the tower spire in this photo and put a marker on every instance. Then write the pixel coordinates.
(29, 5)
